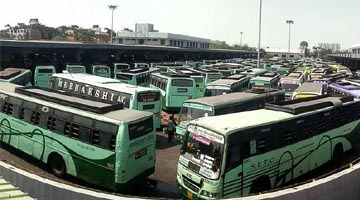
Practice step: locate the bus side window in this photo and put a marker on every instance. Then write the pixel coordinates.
(233, 157)
(84, 134)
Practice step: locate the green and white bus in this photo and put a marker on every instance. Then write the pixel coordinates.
(249, 152)
(76, 69)
(199, 80)
(254, 72)
(141, 65)
(137, 76)
(97, 142)
(110, 91)
(17, 76)
(268, 79)
(209, 74)
(43, 74)
(118, 67)
(234, 83)
(101, 70)
(174, 88)
(252, 99)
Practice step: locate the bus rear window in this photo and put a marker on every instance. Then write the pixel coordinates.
(199, 80)
(102, 69)
(45, 71)
(148, 97)
(141, 128)
(181, 83)
(123, 77)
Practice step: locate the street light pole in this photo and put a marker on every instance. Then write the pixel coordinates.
(289, 22)
(241, 34)
(258, 59)
(112, 8)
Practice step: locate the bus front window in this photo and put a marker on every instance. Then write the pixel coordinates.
(203, 154)
(188, 114)
(288, 87)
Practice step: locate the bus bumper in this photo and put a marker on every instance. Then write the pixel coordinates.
(185, 193)
(121, 187)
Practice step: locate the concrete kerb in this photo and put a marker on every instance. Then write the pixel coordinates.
(344, 184)
(45, 189)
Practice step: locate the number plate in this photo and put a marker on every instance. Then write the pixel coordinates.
(189, 194)
(140, 153)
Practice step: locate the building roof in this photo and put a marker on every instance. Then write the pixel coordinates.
(9, 192)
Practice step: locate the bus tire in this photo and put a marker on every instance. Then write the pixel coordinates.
(337, 152)
(57, 165)
(260, 185)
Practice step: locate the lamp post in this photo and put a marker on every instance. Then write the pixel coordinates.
(258, 59)
(112, 8)
(289, 22)
(241, 34)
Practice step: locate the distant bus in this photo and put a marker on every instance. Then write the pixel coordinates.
(43, 74)
(208, 74)
(17, 76)
(233, 155)
(234, 83)
(254, 72)
(310, 90)
(118, 67)
(174, 88)
(141, 65)
(99, 143)
(268, 79)
(199, 80)
(101, 70)
(110, 91)
(252, 99)
(137, 76)
(76, 69)
(345, 88)
(290, 82)
(328, 79)
(319, 72)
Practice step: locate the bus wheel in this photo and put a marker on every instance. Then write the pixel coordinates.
(260, 185)
(337, 153)
(57, 165)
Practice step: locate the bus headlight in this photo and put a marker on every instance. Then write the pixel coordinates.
(208, 194)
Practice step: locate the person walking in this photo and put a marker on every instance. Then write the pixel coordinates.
(171, 128)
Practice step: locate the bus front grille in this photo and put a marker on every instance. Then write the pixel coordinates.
(191, 184)
(194, 167)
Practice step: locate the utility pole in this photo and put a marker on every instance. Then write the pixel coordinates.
(258, 60)
(112, 8)
(241, 34)
(289, 22)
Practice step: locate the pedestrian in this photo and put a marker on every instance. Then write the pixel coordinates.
(171, 128)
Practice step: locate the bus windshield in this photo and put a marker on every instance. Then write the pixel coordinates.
(188, 114)
(204, 149)
(289, 87)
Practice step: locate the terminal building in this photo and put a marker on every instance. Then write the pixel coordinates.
(355, 49)
(145, 34)
(285, 54)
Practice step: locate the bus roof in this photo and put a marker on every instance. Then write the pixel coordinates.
(103, 82)
(309, 87)
(124, 115)
(9, 73)
(249, 119)
(226, 82)
(45, 66)
(171, 75)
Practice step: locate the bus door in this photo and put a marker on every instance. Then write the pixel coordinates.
(233, 179)
(150, 101)
(43, 75)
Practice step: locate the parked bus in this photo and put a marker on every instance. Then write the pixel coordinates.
(76, 69)
(17, 76)
(319, 73)
(250, 152)
(345, 88)
(137, 76)
(141, 65)
(97, 142)
(43, 74)
(310, 89)
(252, 99)
(290, 82)
(118, 67)
(254, 72)
(174, 88)
(208, 74)
(268, 79)
(110, 91)
(101, 70)
(198, 78)
(234, 83)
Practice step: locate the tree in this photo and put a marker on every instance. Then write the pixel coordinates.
(304, 48)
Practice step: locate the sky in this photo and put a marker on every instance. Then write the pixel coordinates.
(315, 21)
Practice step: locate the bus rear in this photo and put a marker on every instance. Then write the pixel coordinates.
(200, 86)
(200, 164)
(126, 78)
(101, 70)
(76, 69)
(139, 160)
(43, 75)
(118, 67)
(150, 101)
(178, 90)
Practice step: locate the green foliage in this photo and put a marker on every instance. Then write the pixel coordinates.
(223, 45)
(304, 47)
